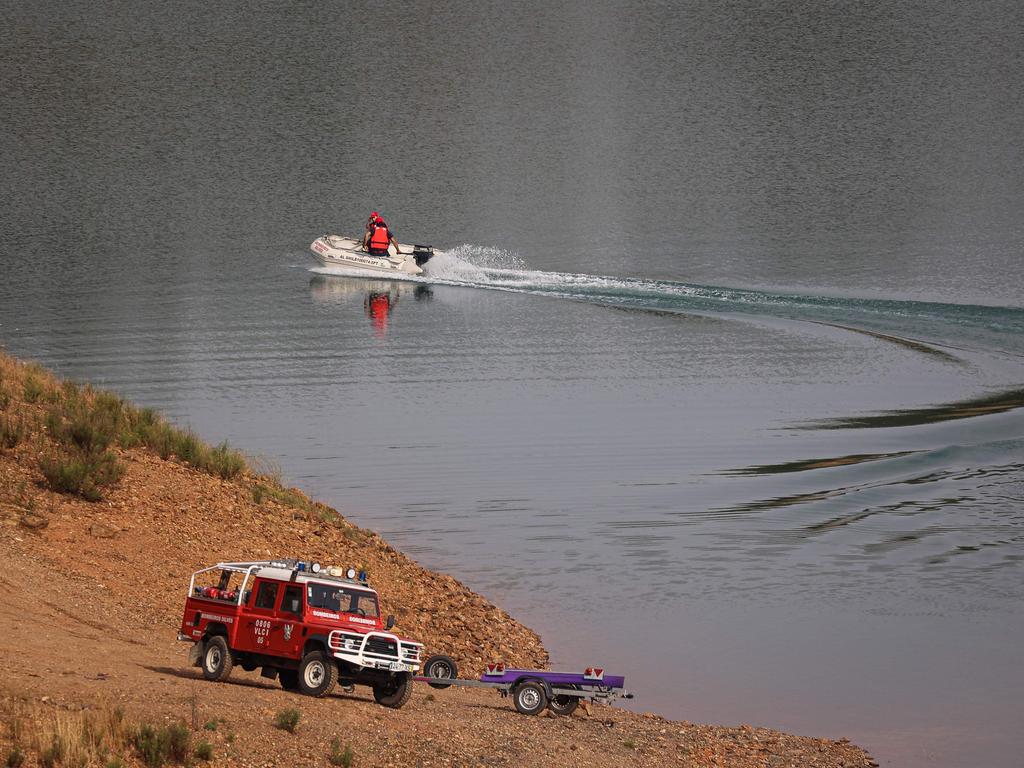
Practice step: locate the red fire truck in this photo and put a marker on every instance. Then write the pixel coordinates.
(310, 627)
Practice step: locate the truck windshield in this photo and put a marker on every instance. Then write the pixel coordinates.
(341, 599)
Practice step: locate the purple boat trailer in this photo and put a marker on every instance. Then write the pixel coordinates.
(532, 690)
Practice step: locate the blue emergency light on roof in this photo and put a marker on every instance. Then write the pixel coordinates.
(300, 566)
(362, 576)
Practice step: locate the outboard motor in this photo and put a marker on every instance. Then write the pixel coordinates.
(422, 254)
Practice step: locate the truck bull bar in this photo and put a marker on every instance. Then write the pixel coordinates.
(376, 650)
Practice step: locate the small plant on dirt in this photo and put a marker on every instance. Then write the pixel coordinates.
(342, 757)
(230, 738)
(288, 719)
(210, 725)
(15, 758)
(153, 745)
(179, 740)
(629, 744)
(429, 697)
(204, 751)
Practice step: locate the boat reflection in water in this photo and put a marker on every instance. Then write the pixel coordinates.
(380, 297)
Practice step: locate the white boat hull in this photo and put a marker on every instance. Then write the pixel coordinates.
(338, 251)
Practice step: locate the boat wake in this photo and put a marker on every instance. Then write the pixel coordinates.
(907, 323)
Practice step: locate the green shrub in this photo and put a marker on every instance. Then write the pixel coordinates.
(79, 426)
(5, 399)
(84, 475)
(224, 461)
(188, 447)
(211, 725)
(153, 745)
(179, 740)
(15, 758)
(342, 757)
(204, 751)
(288, 719)
(33, 389)
(12, 431)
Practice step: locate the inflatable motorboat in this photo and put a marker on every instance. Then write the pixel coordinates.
(338, 251)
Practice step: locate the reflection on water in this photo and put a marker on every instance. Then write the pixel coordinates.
(962, 409)
(380, 297)
(807, 464)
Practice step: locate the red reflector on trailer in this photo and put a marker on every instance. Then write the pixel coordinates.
(593, 673)
(495, 669)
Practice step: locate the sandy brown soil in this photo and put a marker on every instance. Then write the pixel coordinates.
(92, 597)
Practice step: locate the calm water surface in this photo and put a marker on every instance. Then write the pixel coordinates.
(719, 384)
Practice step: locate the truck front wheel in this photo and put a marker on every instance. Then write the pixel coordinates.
(318, 674)
(393, 693)
(217, 660)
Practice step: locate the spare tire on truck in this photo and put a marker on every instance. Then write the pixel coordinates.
(440, 666)
(393, 692)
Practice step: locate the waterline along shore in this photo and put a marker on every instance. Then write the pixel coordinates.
(105, 511)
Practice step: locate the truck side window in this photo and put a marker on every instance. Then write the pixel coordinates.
(292, 602)
(267, 595)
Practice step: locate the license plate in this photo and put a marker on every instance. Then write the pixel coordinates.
(397, 666)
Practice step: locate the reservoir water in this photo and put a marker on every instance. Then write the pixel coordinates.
(718, 384)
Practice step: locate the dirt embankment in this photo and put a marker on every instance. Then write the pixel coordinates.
(93, 593)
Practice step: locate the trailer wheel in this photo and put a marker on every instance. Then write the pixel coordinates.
(317, 674)
(217, 660)
(563, 705)
(289, 679)
(530, 698)
(440, 666)
(393, 693)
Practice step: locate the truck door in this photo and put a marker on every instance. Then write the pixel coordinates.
(288, 640)
(261, 619)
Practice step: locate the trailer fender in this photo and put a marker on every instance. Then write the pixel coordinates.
(539, 680)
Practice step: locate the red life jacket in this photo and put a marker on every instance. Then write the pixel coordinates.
(379, 239)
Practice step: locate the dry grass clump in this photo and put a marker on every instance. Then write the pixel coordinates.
(37, 735)
(66, 738)
(13, 430)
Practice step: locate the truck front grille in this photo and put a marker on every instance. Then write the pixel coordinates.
(381, 647)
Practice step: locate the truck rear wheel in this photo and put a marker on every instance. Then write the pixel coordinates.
(217, 660)
(530, 698)
(317, 674)
(440, 666)
(393, 693)
(289, 679)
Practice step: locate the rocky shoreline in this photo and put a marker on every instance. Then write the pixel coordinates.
(96, 588)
